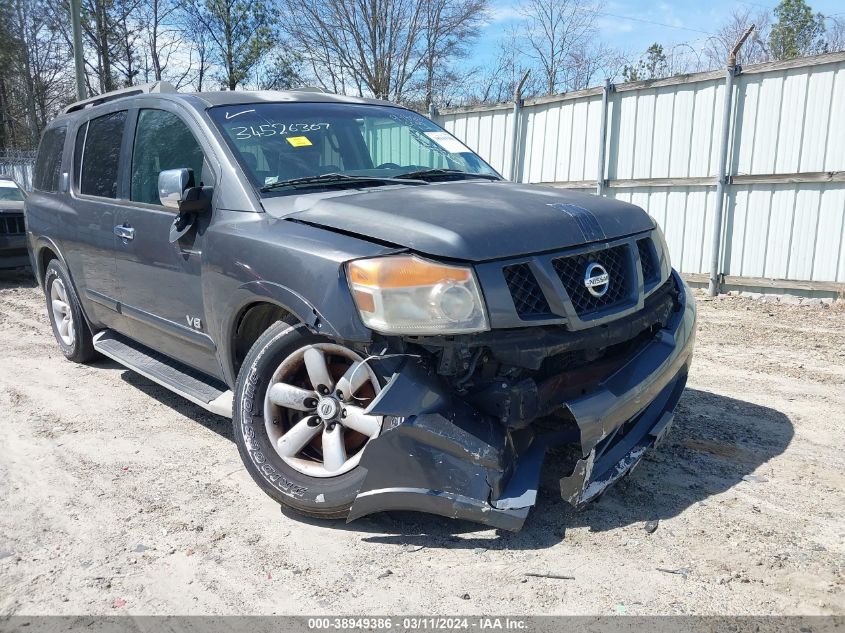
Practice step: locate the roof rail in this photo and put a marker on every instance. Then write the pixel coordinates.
(157, 86)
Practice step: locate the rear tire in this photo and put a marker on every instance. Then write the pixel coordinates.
(286, 478)
(65, 314)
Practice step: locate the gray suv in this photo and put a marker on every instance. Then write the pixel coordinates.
(389, 324)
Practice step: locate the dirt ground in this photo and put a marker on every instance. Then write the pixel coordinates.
(119, 497)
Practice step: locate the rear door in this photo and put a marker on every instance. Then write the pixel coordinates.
(159, 282)
(97, 199)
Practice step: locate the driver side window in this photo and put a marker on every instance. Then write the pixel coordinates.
(163, 141)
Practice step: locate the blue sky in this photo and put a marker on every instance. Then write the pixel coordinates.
(633, 26)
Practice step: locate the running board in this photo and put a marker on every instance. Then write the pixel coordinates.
(189, 383)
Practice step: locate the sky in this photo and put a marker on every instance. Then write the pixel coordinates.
(634, 26)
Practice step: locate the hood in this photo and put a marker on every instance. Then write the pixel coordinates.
(9, 207)
(471, 220)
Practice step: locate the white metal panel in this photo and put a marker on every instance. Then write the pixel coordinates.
(816, 119)
(784, 122)
(829, 257)
(662, 134)
(788, 155)
(835, 151)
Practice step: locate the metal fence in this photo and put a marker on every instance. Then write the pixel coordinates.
(784, 206)
(18, 164)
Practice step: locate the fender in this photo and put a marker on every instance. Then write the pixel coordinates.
(37, 249)
(42, 242)
(282, 296)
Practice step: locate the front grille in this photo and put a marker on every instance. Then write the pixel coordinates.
(648, 261)
(571, 271)
(12, 224)
(528, 299)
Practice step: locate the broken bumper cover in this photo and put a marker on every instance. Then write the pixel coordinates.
(440, 455)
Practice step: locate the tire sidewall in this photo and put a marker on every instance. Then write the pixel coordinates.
(316, 496)
(56, 270)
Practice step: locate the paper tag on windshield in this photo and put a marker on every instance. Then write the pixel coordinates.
(299, 141)
(448, 142)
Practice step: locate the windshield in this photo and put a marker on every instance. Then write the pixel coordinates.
(10, 192)
(277, 142)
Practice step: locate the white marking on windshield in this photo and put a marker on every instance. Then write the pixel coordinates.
(232, 116)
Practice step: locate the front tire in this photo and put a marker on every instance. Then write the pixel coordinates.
(298, 419)
(65, 313)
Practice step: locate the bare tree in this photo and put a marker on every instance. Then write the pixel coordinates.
(754, 51)
(554, 31)
(498, 82)
(589, 66)
(192, 30)
(99, 33)
(162, 38)
(449, 27)
(835, 34)
(367, 46)
(127, 32)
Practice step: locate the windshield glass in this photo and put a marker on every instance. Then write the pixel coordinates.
(10, 192)
(276, 142)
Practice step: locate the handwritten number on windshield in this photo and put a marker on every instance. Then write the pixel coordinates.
(275, 129)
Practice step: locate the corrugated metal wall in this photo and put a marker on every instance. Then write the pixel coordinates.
(788, 126)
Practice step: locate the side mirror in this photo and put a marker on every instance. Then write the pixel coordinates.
(172, 184)
(176, 191)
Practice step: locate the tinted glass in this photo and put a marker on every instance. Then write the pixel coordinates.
(48, 165)
(78, 146)
(280, 141)
(162, 141)
(9, 192)
(102, 154)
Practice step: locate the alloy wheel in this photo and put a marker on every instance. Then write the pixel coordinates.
(314, 409)
(61, 311)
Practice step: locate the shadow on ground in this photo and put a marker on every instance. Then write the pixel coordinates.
(17, 278)
(220, 425)
(715, 442)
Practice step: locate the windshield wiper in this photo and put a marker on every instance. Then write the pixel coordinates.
(425, 173)
(333, 179)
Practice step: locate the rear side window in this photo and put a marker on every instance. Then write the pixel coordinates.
(101, 154)
(48, 165)
(162, 141)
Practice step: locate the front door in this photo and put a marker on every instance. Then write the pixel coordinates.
(159, 282)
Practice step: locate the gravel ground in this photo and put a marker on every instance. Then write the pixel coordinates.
(119, 497)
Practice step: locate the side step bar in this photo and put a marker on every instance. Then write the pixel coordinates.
(192, 385)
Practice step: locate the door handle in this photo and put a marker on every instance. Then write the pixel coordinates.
(124, 232)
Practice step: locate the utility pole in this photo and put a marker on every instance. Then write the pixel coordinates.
(76, 22)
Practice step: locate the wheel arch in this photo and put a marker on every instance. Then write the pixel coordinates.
(45, 251)
(250, 322)
(250, 296)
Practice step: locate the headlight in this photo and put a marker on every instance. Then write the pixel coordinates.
(405, 294)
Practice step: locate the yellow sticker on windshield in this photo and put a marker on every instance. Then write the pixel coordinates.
(299, 141)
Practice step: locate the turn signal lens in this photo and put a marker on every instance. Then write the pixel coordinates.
(403, 272)
(406, 294)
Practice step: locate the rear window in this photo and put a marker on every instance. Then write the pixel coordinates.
(10, 192)
(98, 173)
(48, 165)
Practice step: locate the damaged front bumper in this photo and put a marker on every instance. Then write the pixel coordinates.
(439, 454)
